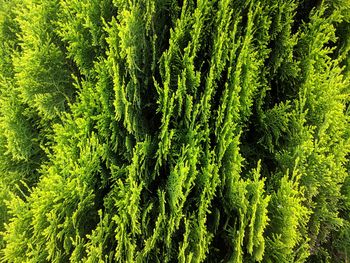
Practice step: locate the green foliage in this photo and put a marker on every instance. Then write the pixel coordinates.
(289, 216)
(174, 131)
(40, 68)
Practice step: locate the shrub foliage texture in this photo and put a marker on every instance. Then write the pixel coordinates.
(174, 131)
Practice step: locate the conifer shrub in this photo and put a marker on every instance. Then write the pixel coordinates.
(174, 131)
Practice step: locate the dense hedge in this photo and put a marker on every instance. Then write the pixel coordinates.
(174, 131)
